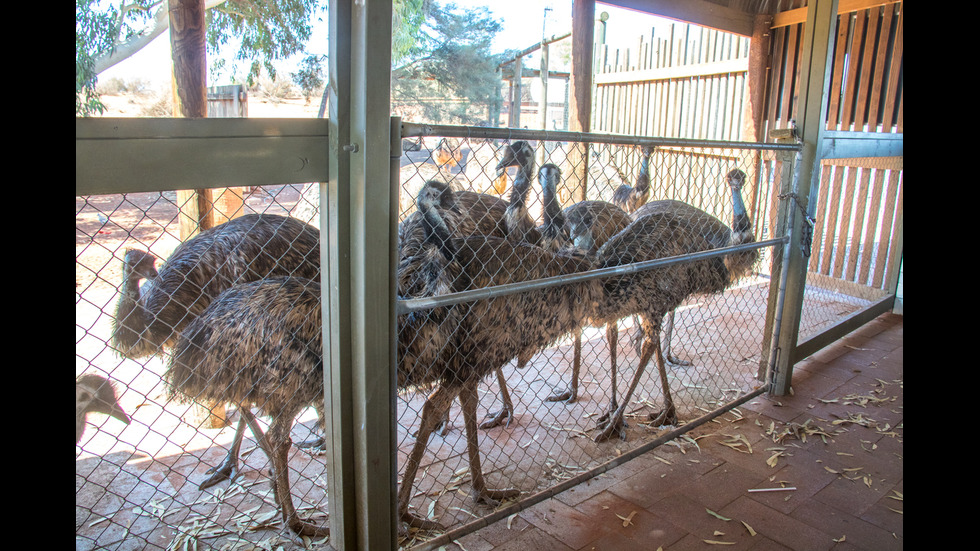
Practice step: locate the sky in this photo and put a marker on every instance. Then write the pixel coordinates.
(523, 23)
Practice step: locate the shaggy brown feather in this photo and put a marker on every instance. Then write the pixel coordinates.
(247, 248)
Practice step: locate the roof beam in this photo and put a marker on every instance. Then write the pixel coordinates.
(698, 12)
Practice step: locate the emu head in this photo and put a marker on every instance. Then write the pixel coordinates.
(94, 393)
(736, 179)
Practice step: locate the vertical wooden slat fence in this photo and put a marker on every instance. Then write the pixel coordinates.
(689, 84)
(866, 92)
(857, 233)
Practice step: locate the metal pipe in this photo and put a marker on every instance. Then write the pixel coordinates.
(783, 277)
(425, 303)
(412, 130)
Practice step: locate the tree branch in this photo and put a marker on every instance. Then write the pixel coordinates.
(160, 22)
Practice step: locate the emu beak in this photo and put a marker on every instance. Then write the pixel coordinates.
(500, 182)
(112, 409)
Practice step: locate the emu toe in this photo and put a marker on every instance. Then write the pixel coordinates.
(502, 417)
(415, 521)
(666, 417)
(227, 470)
(569, 397)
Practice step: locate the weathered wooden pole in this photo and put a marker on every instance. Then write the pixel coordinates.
(580, 99)
(189, 85)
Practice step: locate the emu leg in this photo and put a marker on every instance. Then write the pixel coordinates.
(667, 416)
(228, 469)
(280, 443)
(317, 443)
(433, 411)
(668, 331)
(469, 399)
(612, 337)
(651, 345)
(504, 416)
(571, 395)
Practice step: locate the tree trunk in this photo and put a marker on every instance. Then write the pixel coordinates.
(187, 45)
(580, 98)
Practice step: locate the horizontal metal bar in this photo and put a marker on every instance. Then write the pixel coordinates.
(566, 484)
(849, 145)
(405, 306)
(834, 333)
(122, 155)
(412, 130)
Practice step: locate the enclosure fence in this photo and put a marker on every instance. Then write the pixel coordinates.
(137, 484)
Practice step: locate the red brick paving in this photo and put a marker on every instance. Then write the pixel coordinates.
(845, 487)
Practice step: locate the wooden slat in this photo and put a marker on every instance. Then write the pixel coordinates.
(794, 17)
(789, 85)
(821, 213)
(895, 241)
(847, 207)
(858, 226)
(871, 228)
(887, 226)
(884, 37)
(864, 80)
(850, 84)
(775, 77)
(833, 212)
(890, 103)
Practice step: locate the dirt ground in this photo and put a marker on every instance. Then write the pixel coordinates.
(136, 485)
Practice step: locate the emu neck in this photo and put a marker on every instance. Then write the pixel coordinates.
(740, 217)
(643, 179)
(553, 216)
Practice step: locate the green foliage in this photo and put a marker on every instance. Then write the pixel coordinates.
(266, 31)
(452, 77)
(407, 18)
(309, 78)
(92, 28)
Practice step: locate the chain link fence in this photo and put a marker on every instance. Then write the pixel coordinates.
(137, 484)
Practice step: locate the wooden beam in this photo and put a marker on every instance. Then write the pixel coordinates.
(536, 47)
(699, 12)
(679, 71)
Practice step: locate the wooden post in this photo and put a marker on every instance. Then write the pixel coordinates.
(580, 97)
(515, 104)
(187, 46)
(754, 114)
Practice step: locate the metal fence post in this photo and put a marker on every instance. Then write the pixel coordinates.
(359, 280)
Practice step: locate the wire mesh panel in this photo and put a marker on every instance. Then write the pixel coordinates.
(534, 366)
(138, 474)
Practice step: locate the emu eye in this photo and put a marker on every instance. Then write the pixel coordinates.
(86, 396)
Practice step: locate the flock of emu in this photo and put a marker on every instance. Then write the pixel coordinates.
(238, 307)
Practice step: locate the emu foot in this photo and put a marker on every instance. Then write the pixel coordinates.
(308, 529)
(493, 497)
(611, 423)
(674, 360)
(569, 397)
(502, 417)
(227, 470)
(415, 521)
(316, 444)
(442, 428)
(666, 417)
